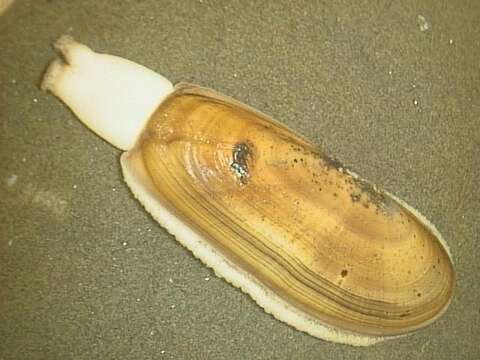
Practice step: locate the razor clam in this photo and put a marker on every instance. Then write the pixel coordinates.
(312, 243)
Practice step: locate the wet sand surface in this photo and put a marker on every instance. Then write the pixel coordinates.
(391, 89)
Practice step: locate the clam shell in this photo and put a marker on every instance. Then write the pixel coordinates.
(310, 241)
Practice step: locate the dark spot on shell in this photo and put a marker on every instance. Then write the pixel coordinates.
(332, 163)
(240, 154)
(374, 195)
(355, 197)
(370, 194)
(344, 273)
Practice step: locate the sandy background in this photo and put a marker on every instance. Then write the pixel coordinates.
(85, 273)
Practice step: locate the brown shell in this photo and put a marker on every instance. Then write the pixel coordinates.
(326, 242)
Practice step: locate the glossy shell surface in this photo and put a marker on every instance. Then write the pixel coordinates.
(312, 234)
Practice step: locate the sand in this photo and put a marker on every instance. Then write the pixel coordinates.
(391, 89)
